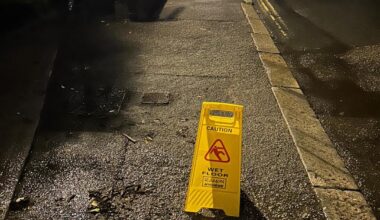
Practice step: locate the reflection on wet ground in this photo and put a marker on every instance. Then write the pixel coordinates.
(326, 46)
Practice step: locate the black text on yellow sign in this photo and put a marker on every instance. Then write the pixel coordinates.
(215, 175)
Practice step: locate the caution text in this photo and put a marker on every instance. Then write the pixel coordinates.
(219, 129)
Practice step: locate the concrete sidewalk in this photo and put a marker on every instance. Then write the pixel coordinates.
(198, 51)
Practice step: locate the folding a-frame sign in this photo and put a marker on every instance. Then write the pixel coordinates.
(215, 174)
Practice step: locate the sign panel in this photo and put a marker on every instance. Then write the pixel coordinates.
(215, 175)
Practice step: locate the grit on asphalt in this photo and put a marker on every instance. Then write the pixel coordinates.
(84, 167)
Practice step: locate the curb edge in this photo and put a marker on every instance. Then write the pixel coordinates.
(332, 183)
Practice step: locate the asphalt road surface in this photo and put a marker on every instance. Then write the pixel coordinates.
(333, 48)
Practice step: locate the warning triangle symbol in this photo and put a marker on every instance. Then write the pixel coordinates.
(217, 153)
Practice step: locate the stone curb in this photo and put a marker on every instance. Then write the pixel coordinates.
(322, 162)
(333, 184)
(278, 72)
(264, 43)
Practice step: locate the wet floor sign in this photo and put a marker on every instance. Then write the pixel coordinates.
(215, 175)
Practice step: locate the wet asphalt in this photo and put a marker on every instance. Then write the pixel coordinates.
(334, 52)
(83, 166)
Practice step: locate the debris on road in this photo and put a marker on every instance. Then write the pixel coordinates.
(150, 135)
(70, 198)
(100, 201)
(133, 189)
(129, 138)
(94, 204)
(95, 210)
(115, 199)
(19, 204)
(183, 119)
(156, 98)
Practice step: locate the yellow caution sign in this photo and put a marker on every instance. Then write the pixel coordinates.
(215, 174)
